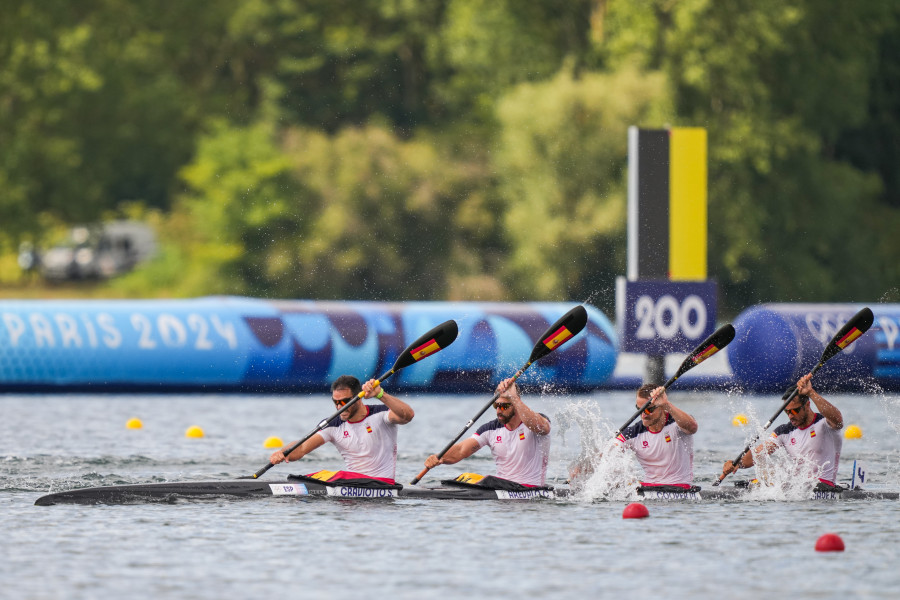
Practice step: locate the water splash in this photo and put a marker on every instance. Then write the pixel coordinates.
(601, 471)
(781, 477)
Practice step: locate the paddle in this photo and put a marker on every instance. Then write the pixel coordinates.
(718, 340)
(852, 329)
(567, 327)
(434, 341)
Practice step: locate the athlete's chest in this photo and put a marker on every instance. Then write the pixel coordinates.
(661, 442)
(357, 435)
(799, 440)
(505, 440)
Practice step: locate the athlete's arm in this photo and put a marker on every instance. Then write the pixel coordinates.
(301, 451)
(399, 413)
(747, 460)
(534, 421)
(456, 453)
(685, 422)
(832, 414)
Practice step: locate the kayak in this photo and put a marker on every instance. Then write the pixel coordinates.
(303, 487)
(252, 488)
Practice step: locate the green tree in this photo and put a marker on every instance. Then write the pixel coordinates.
(762, 77)
(561, 163)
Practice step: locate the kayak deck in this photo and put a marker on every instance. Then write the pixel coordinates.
(248, 488)
(252, 488)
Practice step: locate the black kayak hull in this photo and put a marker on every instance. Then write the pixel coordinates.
(251, 488)
(257, 488)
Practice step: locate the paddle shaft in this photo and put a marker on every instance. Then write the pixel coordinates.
(746, 449)
(469, 424)
(324, 422)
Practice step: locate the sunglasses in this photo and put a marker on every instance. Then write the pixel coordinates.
(649, 410)
(502, 405)
(340, 403)
(794, 411)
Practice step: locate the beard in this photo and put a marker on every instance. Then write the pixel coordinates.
(504, 419)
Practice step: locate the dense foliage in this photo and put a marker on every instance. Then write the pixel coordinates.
(452, 149)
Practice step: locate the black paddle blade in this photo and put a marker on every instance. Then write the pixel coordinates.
(434, 341)
(852, 329)
(567, 327)
(718, 340)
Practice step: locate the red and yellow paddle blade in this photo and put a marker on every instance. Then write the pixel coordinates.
(849, 333)
(434, 341)
(718, 340)
(567, 327)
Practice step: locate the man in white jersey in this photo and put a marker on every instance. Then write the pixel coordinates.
(811, 439)
(364, 434)
(663, 441)
(519, 439)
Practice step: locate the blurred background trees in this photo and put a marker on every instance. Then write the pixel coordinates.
(450, 149)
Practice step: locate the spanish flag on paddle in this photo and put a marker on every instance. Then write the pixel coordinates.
(567, 327)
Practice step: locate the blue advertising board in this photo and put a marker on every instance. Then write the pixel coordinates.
(657, 317)
(253, 345)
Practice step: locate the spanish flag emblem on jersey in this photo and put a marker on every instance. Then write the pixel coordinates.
(558, 337)
(668, 438)
(426, 349)
(812, 434)
(368, 429)
(521, 435)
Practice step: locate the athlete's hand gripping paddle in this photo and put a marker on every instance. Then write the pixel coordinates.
(564, 329)
(432, 342)
(852, 329)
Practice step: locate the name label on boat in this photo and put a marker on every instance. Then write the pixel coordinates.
(360, 492)
(288, 489)
(524, 495)
(825, 495)
(654, 495)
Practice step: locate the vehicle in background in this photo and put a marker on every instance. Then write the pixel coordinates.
(97, 252)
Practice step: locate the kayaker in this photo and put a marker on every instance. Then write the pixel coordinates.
(663, 441)
(364, 434)
(811, 438)
(519, 439)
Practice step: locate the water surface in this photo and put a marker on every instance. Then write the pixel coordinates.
(414, 548)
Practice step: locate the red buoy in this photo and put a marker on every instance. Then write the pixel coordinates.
(830, 542)
(635, 510)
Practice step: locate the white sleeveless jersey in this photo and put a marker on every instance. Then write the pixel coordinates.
(368, 446)
(667, 457)
(817, 447)
(520, 454)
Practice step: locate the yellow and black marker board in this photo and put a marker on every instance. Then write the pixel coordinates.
(667, 201)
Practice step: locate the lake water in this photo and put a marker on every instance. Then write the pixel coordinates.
(328, 548)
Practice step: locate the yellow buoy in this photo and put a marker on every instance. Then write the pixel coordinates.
(273, 442)
(193, 432)
(739, 420)
(133, 423)
(853, 432)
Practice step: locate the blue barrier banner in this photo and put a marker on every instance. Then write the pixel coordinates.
(657, 317)
(778, 343)
(245, 344)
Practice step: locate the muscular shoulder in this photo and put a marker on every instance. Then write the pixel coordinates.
(631, 432)
(489, 426)
(783, 429)
(374, 410)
